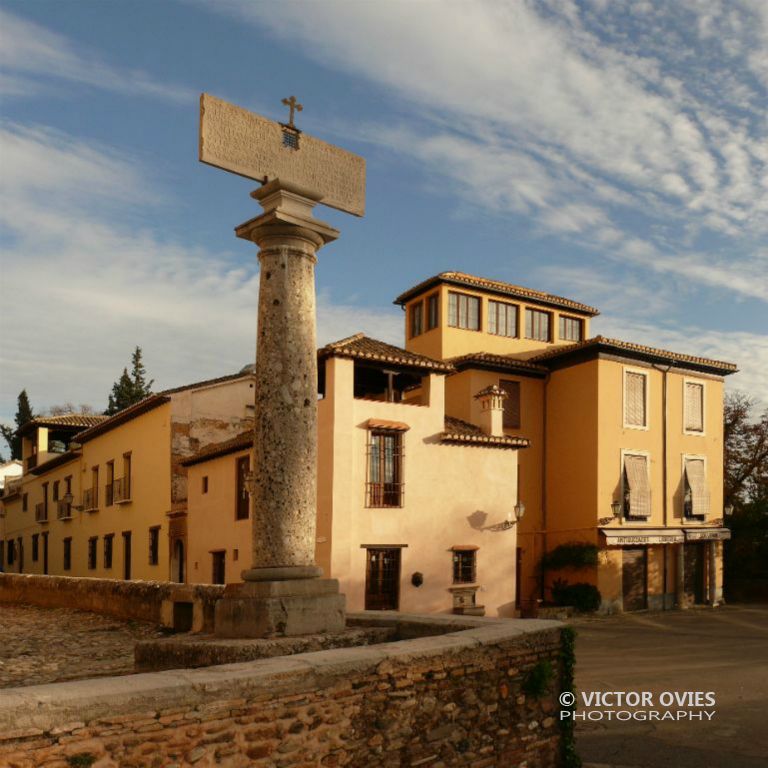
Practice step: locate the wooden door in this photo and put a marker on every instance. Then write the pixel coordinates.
(127, 555)
(694, 573)
(634, 579)
(382, 580)
(219, 567)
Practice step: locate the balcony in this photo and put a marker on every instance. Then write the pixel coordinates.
(91, 499)
(121, 490)
(41, 512)
(64, 510)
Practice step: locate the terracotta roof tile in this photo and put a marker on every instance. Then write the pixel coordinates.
(638, 350)
(489, 360)
(465, 433)
(362, 347)
(81, 420)
(496, 286)
(110, 422)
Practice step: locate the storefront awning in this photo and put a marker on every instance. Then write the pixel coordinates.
(707, 534)
(622, 537)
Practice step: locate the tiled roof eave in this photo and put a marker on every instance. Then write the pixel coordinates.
(639, 351)
(498, 287)
(488, 441)
(406, 362)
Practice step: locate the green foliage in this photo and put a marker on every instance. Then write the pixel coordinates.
(537, 682)
(569, 757)
(583, 597)
(130, 388)
(23, 415)
(83, 760)
(574, 554)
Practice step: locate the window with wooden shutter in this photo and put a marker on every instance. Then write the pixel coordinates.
(417, 318)
(433, 311)
(502, 319)
(637, 488)
(694, 407)
(537, 325)
(696, 500)
(635, 399)
(511, 404)
(464, 311)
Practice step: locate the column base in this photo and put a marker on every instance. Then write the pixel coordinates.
(280, 608)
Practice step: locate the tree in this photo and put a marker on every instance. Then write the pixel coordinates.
(23, 415)
(746, 489)
(130, 389)
(746, 452)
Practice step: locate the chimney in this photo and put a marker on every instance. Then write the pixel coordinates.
(492, 414)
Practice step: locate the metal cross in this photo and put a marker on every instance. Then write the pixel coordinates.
(292, 104)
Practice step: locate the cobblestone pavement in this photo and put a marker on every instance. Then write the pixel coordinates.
(48, 645)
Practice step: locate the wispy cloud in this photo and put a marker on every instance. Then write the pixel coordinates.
(83, 287)
(32, 56)
(594, 121)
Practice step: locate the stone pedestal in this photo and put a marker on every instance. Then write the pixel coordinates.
(283, 593)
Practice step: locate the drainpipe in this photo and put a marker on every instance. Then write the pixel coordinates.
(544, 484)
(664, 473)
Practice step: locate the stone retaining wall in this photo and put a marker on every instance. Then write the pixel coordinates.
(454, 699)
(151, 601)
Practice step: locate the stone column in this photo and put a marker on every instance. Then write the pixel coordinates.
(282, 593)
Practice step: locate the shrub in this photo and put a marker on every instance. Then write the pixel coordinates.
(574, 554)
(583, 597)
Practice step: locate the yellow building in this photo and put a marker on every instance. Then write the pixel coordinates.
(416, 511)
(428, 454)
(626, 441)
(107, 497)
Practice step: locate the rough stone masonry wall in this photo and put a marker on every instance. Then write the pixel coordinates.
(137, 600)
(448, 700)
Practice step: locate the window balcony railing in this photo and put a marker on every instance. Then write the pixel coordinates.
(41, 512)
(385, 494)
(90, 499)
(64, 510)
(121, 490)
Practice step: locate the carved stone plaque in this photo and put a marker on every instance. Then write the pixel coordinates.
(242, 142)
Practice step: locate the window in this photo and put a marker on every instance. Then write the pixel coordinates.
(635, 399)
(463, 311)
(205, 483)
(154, 545)
(109, 540)
(464, 566)
(68, 553)
(68, 484)
(696, 494)
(45, 501)
(694, 407)
(416, 313)
(537, 325)
(35, 547)
(2, 554)
(502, 319)
(11, 551)
(571, 328)
(95, 487)
(219, 568)
(55, 490)
(511, 404)
(243, 468)
(637, 488)
(24, 502)
(385, 469)
(92, 544)
(433, 311)
(109, 486)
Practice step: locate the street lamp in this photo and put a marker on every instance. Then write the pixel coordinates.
(68, 498)
(511, 522)
(616, 509)
(728, 510)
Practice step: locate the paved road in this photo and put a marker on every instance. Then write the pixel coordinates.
(723, 650)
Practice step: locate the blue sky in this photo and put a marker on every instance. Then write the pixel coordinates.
(612, 152)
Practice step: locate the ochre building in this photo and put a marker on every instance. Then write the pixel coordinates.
(455, 473)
